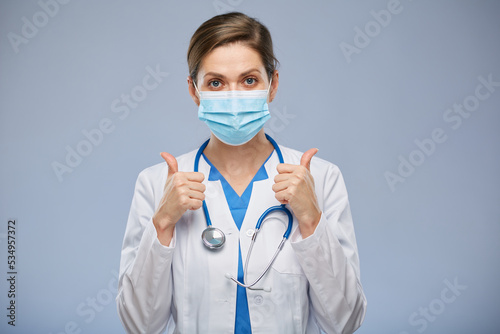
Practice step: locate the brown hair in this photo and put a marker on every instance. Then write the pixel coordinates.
(230, 28)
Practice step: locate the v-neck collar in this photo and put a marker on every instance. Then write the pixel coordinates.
(215, 175)
(233, 199)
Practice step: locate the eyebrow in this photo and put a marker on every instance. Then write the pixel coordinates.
(215, 74)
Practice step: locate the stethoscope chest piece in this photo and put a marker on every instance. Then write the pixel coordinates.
(213, 238)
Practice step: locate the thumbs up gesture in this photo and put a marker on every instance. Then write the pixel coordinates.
(294, 185)
(183, 191)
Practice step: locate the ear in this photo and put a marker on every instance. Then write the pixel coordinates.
(274, 86)
(192, 91)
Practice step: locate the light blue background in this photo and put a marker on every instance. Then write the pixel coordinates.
(362, 112)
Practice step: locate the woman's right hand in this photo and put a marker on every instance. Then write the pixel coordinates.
(183, 191)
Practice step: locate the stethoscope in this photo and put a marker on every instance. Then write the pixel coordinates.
(213, 238)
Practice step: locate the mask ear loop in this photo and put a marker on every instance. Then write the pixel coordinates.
(268, 88)
(199, 95)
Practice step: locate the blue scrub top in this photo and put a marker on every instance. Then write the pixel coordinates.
(238, 206)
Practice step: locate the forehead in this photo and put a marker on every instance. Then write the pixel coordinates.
(231, 60)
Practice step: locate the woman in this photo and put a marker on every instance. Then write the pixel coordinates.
(168, 276)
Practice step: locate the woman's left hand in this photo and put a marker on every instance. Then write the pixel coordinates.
(294, 185)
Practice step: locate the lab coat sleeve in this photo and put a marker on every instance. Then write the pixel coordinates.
(329, 259)
(145, 284)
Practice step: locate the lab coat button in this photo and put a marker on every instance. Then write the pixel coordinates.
(250, 233)
(258, 300)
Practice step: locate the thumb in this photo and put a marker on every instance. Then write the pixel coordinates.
(171, 163)
(307, 156)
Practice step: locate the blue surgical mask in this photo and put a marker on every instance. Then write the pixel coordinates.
(236, 116)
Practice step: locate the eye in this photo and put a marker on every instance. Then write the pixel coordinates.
(214, 84)
(250, 81)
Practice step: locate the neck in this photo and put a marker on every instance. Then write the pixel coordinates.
(237, 160)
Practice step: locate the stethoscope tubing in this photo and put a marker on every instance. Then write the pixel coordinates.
(281, 207)
(196, 166)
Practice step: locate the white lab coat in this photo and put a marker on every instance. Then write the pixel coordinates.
(314, 281)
